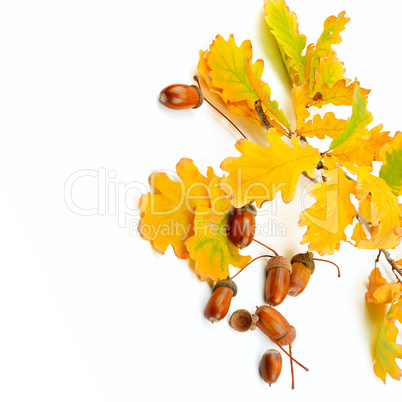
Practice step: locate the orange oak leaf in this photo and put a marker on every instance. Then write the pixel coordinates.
(380, 291)
(327, 219)
(387, 350)
(210, 245)
(263, 171)
(167, 214)
(228, 71)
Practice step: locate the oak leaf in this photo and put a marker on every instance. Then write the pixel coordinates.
(322, 126)
(391, 170)
(260, 172)
(327, 219)
(385, 213)
(387, 350)
(284, 26)
(167, 214)
(380, 291)
(229, 72)
(322, 50)
(329, 71)
(210, 245)
(339, 94)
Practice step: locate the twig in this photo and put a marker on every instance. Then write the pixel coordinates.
(392, 262)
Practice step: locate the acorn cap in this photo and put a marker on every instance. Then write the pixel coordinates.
(306, 259)
(228, 283)
(247, 208)
(242, 320)
(279, 262)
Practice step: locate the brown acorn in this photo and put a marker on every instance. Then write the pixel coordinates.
(219, 303)
(302, 268)
(181, 96)
(271, 366)
(276, 325)
(242, 226)
(278, 280)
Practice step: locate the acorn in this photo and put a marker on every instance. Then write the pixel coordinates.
(242, 227)
(271, 366)
(275, 324)
(181, 96)
(219, 303)
(302, 268)
(278, 280)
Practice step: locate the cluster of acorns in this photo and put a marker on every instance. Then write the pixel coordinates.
(284, 277)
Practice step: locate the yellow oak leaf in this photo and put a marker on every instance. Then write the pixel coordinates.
(384, 210)
(284, 26)
(387, 350)
(167, 215)
(329, 71)
(210, 245)
(263, 171)
(321, 127)
(228, 71)
(339, 94)
(327, 219)
(301, 99)
(330, 36)
(380, 291)
(363, 149)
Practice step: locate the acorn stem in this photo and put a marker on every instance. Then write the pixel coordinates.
(256, 258)
(291, 366)
(221, 113)
(319, 259)
(283, 350)
(269, 248)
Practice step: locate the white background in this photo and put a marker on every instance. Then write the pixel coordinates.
(88, 310)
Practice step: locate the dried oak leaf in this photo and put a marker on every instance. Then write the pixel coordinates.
(387, 350)
(167, 214)
(210, 245)
(260, 172)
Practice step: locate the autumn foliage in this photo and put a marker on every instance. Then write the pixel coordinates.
(346, 189)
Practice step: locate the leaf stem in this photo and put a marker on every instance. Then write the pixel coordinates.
(320, 259)
(221, 113)
(256, 258)
(269, 248)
